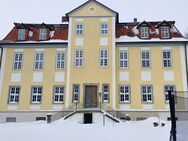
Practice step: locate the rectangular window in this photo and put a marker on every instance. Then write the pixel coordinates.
(165, 32)
(21, 34)
(147, 94)
(104, 29)
(104, 58)
(79, 29)
(167, 59)
(11, 119)
(42, 34)
(39, 60)
(172, 88)
(105, 93)
(145, 59)
(14, 94)
(124, 94)
(36, 94)
(78, 58)
(76, 91)
(58, 94)
(60, 60)
(18, 58)
(144, 32)
(123, 59)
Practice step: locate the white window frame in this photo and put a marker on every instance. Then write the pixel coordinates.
(168, 60)
(166, 89)
(144, 32)
(106, 93)
(76, 93)
(60, 60)
(147, 94)
(21, 34)
(14, 96)
(42, 34)
(145, 58)
(58, 94)
(124, 94)
(38, 94)
(165, 32)
(78, 58)
(18, 61)
(123, 62)
(104, 58)
(79, 29)
(39, 63)
(104, 29)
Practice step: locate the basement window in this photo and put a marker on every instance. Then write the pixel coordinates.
(11, 119)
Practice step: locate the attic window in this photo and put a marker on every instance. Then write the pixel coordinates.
(165, 32)
(144, 32)
(42, 34)
(21, 34)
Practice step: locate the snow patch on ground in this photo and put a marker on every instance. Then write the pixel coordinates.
(63, 130)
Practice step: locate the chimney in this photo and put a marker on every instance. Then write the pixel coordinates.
(64, 19)
(135, 20)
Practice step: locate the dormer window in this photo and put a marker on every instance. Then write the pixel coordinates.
(165, 32)
(42, 34)
(144, 32)
(21, 34)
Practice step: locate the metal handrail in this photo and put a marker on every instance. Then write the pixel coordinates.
(83, 106)
(63, 113)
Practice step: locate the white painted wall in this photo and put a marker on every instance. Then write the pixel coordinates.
(59, 77)
(168, 76)
(146, 76)
(79, 42)
(97, 119)
(103, 41)
(38, 77)
(124, 76)
(16, 77)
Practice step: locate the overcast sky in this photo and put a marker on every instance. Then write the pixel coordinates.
(50, 11)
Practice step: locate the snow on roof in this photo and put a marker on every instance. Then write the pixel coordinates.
(122, 39)
(47, 41)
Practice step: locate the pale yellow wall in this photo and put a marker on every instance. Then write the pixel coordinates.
(91, 71)
(157, 80)
(84, 11)
(27, 78)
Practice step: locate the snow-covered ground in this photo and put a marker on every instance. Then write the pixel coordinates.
(182, 128)
(64, 130)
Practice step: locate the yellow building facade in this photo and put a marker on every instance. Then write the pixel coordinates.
(93, 67)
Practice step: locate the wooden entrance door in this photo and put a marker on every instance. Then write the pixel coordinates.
(90, 96)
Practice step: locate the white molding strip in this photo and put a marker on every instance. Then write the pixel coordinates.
(60, 49)
(145, 48)
(77, 20)
(113, 65)
(68, 64)
(40, 49)
(183, 68)
(19, 50)
(166, 48)
(2, 69)
(123, 48)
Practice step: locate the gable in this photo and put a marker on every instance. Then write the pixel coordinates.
(92, 8)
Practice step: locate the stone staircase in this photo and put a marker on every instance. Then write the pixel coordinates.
(82, 108)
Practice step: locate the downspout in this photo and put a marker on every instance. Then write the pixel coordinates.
(186, 62)
(1, 56)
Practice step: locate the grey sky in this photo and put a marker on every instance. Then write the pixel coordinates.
(50, 11)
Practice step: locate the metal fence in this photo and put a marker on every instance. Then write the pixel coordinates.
(179, 115)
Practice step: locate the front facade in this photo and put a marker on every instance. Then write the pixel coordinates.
(90, 59)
